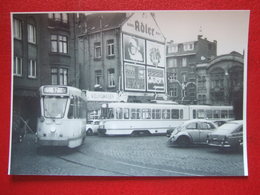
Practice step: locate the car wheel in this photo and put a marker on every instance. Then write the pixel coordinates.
(183, 141)
(89, 132)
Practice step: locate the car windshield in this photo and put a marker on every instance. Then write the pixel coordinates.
(227, 128)
(54, 106)
(89, 122)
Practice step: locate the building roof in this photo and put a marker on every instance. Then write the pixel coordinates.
(103, 21)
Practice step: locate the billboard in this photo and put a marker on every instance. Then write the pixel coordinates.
(134, 77)
(155, 79)
(134, 49)
(155, 53)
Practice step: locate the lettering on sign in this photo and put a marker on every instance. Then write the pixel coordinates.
(144, 28)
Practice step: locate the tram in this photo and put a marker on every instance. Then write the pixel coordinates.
(63, 116)
(131, 118)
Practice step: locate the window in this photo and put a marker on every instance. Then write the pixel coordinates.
(166, 114)
(119, 113)
(31, 33)
(184, 62)
(17, 29)
(146, 113)
(173, 91)
(98, 76)
(111, 78)
(59, 43)
(97, 50)
(110, 47)
(17, 66)
(175, 114)
(183, 77)
(126, 113)
(59, 76)
(172, 62)
(188, 46)
(173, 48)
(58, 17)
(32, 69)
(192, 126)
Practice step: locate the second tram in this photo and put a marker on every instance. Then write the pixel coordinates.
(131, 118)
(63, 116)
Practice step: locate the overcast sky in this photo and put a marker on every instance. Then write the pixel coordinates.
(228, 28)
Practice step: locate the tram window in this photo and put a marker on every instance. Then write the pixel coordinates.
(194, 114)
(158, 114)
(110, 113)
(200, 114)
(119, 113)
(133, 113)
(175, 114)
(209, 114)
(216, 114)
(126, 113)
(71, 108)
(82, 109)
(146, 113)
(138, 114)
(153, 114)
(166, 113)
(224, 114)
(181, 114)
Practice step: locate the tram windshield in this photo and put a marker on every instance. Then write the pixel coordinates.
(54, 107)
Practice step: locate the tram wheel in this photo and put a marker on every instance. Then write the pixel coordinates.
(89, 132)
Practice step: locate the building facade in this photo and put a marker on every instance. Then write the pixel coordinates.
(44, 53)
(123, 52)
(182, 59)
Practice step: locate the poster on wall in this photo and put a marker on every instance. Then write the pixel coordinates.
(155, 80)
(134, 77)
(134, 49)
(155, 54)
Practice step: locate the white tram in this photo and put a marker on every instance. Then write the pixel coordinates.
(63, 116)
(131, 118)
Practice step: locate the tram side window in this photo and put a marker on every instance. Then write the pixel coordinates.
(146, 113)
(71, 108)
(133, 113)
(200, 114)
(224, 114)
(110, 113)
(166, 113)
(181, 114)
(209, 114)
(216, 114)
(175, 114)
(138, 114)
(119, 113)
(194, 114)
(82, 109)
(153, 114)
(158, 114)
(126, 113)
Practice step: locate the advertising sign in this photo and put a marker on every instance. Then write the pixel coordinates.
(155, 80)
(134, 49)
(134, 77)
(143, 25)
(155, 53)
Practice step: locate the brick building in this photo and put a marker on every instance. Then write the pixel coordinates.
(44, 52)
(122, 52)
(182, 59)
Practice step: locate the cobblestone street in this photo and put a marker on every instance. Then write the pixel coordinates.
(124, 156)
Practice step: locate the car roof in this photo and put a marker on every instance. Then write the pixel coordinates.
(197, 120)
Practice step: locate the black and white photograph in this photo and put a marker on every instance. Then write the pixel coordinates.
(129, 93)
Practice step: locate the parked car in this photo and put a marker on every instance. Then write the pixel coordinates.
(169, 131)
(92, 126)
(220, 122)
(192, 132)
(229, 135)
